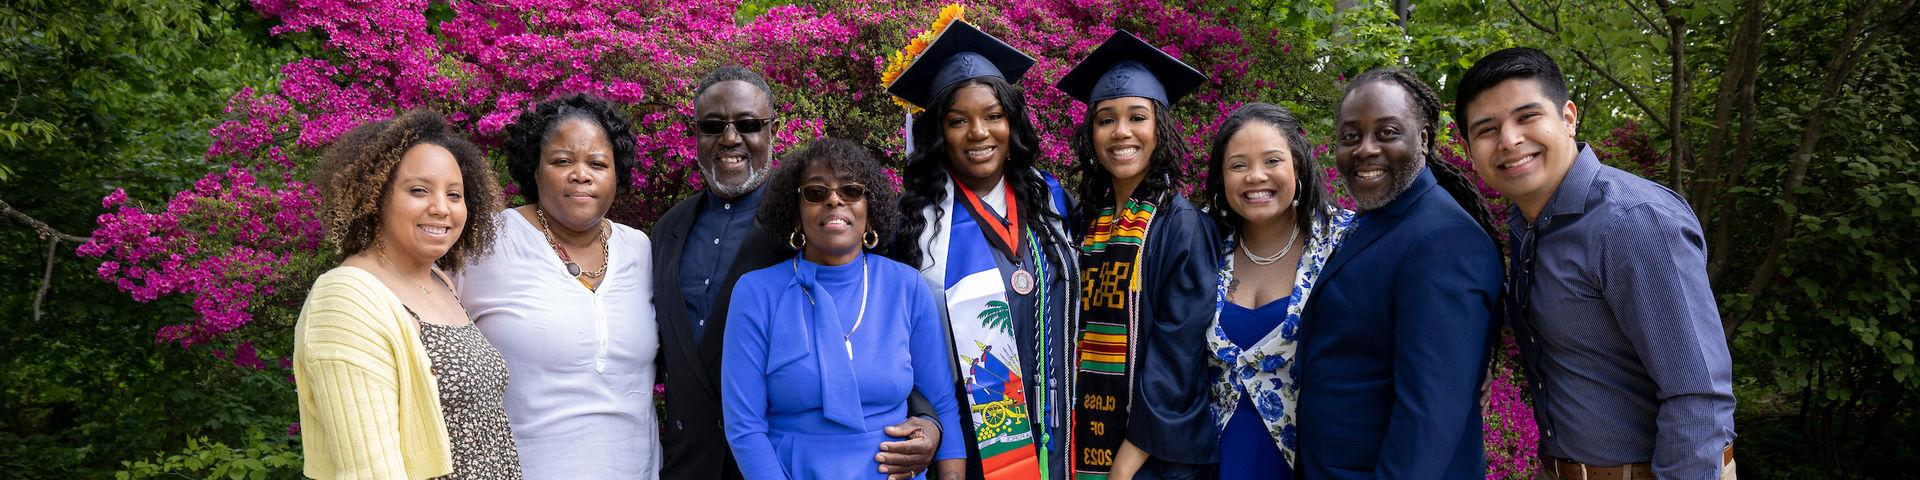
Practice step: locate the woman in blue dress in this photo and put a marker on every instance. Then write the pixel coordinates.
(794, 403)
(1147, 264)
(1265, 190)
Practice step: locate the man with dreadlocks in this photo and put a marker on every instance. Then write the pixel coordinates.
(1394, 340)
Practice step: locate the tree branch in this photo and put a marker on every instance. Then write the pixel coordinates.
(1529, 19)
(1653, 115)
(46, 279)
(1847, 55)
(1647, 20)
(1736, 85)
(1677, 147)
(46, 231)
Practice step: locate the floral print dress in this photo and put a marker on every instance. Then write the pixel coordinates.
(472, 379)
(1265, 373)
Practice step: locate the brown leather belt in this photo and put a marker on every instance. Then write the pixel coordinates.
(1577, 471)
(1571, 470)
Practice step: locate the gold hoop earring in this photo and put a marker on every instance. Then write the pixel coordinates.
(796, 240)
(871, 239)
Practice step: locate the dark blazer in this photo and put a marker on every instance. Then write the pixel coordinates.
(1394, 344)
(694, 442)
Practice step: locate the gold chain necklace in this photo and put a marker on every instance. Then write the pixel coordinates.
(606, 232)
(382, 252)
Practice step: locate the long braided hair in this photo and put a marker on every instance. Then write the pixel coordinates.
(1427, 105)
(921, 179)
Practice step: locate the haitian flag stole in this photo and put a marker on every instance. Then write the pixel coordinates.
(1110, 258)
(982, 323)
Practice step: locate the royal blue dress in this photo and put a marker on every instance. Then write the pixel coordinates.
(793, 401)
(1246, 450)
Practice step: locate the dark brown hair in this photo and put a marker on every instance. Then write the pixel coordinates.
(357, 171)
(1308, 186)
(1164, 166)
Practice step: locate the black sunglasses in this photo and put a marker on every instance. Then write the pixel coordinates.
(850, 192)
(744, 125)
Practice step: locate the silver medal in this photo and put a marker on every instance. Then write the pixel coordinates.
(1022, 282)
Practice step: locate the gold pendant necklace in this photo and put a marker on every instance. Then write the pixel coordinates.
(396, 272)
(606, 234)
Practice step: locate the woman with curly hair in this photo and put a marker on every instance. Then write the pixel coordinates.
(567, 296)
(1147, 264)
(988, 232)
(394, 381)
(793, 401)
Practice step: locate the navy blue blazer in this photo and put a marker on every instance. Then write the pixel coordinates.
(1394, 344)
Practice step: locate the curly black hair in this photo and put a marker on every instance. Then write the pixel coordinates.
(533, 128)
(926, 168)
(357, 171)
(1309, 187)
(1427, 105)
(780, 207)
(1164, 169)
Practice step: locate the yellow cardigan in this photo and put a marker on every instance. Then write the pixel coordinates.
(369, 406)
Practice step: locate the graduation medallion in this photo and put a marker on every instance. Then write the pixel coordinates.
(1022, 281)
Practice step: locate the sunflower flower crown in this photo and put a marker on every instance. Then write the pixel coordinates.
(897, 62)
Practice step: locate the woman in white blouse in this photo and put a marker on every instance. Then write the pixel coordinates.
(567, 298)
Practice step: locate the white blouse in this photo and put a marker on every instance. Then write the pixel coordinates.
(580, 362)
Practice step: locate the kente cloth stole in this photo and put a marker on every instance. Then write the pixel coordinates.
(1110, 259)
(982, 322)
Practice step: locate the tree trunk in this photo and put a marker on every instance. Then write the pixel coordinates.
(1677, 105)
(1736, 83)
(1723, 236)
(1404, 9)
(1847, 55)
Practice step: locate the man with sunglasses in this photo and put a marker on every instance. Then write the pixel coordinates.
(703, 244)
(1607, 291)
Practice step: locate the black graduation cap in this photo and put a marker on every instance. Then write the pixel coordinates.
(1126, 66)
(959, 53)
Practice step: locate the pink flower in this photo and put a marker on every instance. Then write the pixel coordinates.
(242, 244)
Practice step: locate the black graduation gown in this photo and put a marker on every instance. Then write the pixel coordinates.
(1170, 417)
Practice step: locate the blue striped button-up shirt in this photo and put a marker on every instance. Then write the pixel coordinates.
(1619, 328)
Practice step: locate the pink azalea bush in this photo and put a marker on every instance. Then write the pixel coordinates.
(1629, 148)
(242, 245)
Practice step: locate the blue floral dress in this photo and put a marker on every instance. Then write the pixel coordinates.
(1256, 373)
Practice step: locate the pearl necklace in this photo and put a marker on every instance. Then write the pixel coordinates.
(1264, 261)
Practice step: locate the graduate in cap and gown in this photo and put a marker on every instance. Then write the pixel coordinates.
(989, 234)
(1147, 263)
